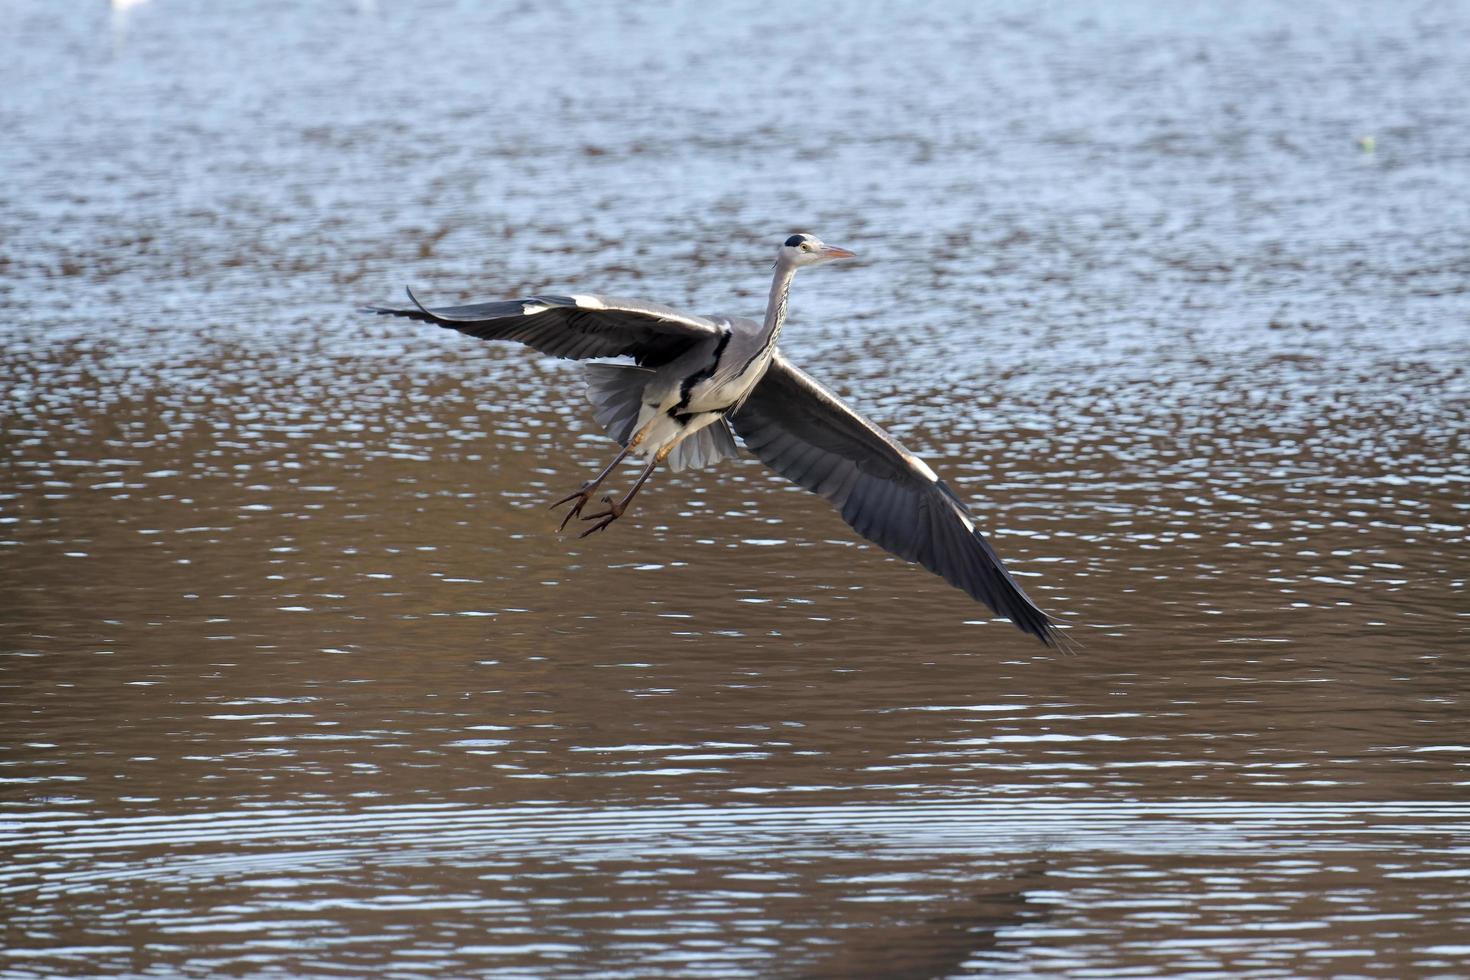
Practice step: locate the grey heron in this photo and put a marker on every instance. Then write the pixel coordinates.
(695, 378)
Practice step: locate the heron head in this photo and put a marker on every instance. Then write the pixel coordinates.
(804, 250)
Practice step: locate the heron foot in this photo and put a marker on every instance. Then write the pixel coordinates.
(580, 496)
(603, 518)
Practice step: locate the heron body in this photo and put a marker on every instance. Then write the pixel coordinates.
(700, 387)
(695, 378)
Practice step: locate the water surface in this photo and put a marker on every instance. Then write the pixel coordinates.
(298, 676)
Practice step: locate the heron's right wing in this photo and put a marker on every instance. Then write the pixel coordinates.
(891, 497)
(577, 326)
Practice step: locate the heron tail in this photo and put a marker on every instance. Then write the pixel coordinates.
(709, 445)
(616, 392)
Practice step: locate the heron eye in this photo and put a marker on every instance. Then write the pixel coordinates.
(805, 247)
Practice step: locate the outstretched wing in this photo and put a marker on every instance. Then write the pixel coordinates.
(807, 434)
(578, 326)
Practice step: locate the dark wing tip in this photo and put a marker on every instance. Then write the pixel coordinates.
(417, 313)
(1063, 642)
(1033, 621)
(390, 311)
(415, 301)
(997, 588)
(1046, 629)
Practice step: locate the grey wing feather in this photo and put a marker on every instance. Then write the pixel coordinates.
(809, 435)
(705, 448)
(577, 327)
(616, 393)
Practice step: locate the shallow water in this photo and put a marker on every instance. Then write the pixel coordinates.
(297, 675)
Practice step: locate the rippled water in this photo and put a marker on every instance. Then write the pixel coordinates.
(297, 676)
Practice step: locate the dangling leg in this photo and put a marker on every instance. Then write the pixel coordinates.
(585, 494)
(615, 510)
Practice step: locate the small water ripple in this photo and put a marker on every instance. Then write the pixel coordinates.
(1060, 868)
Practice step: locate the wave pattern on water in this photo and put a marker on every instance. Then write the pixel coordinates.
(295, 673)
(753, 888)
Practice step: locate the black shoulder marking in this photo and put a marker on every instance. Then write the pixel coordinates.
(795, 240)
(686, 390)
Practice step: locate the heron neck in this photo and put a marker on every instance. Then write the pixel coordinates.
(776, 305)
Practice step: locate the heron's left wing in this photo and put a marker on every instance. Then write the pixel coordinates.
(578, 326)
(891, 497)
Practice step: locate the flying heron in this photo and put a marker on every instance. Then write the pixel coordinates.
(694, 378)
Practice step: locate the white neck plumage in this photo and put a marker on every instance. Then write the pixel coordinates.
(776, 304)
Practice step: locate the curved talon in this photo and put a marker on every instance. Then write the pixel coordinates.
(584, 493)
(574, 512)
(580, 496)
(601, 525)
(605, 517)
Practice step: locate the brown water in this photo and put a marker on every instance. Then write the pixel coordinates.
(298, 677)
